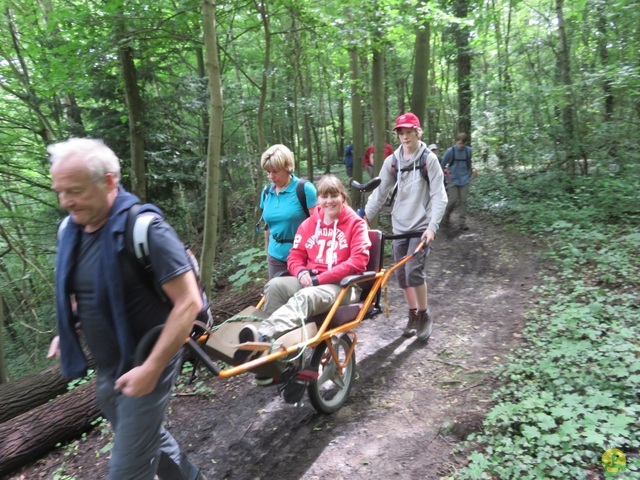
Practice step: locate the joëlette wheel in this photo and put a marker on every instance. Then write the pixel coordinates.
(329, 392)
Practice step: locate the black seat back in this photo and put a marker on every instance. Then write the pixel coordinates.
(347, 313)
(376, 254)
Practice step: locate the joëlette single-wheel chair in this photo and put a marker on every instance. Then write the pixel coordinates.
(318, 357)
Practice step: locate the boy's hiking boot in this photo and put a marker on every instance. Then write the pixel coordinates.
(412, 324)
(425, 325)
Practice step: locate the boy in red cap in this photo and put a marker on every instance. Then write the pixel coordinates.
(417, 211)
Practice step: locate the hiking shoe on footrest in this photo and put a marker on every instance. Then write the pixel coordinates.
(263, 381)
(248, 334)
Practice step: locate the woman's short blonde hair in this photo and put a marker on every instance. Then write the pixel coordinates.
(276, 158)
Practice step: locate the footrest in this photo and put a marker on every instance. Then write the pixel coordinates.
(253, 346)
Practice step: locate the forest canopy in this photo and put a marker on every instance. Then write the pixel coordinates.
(538, 86)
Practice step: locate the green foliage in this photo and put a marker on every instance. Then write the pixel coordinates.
(251, 265)
(571, 391)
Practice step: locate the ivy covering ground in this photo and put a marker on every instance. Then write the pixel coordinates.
(572, 390)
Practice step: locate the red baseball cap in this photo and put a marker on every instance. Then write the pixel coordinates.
(407, 120)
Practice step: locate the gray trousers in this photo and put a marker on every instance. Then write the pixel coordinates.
(288, 304)
(140, 440)
(458, 195)
(412, 273)
(275, 266)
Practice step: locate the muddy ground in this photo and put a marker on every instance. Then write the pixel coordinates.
(411, 402)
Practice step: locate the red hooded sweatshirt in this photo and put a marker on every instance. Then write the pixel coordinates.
(334, 250)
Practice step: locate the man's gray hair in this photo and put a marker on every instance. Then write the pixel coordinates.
(99, 158)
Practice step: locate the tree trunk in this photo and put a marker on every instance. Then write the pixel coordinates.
(35, 432)
(31, 391)
(420, 86)
(4, 375)
(212, 194)
(134, 111)
(356, 122)
(377, 106)
(464, 69)
(564, 73)
(261, 7)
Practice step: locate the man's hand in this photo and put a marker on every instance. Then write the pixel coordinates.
(137, 382)
(429, 236)
(54, 348)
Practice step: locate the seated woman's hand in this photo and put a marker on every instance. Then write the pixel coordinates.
(305, 279)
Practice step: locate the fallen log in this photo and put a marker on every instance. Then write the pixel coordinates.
(32, 434)
(32, 427)
(31, 391)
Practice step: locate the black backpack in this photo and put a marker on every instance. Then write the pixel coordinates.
(422, 165)
(136, 241)
(467, 157)
(137, 251)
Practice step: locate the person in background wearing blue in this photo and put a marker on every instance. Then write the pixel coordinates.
(456, 165)
(282, 210)
(348, 158)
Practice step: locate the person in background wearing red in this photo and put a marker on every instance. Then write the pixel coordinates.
(367, 160)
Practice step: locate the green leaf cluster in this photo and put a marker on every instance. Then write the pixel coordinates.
(571, 391)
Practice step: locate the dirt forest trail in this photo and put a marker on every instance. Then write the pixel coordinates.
(411, 402)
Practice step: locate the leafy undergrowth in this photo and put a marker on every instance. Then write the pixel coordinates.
(572, 391)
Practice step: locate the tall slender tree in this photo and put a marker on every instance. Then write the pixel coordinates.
(211, 211)
(422, 57)
(135, 107)
(463, 64)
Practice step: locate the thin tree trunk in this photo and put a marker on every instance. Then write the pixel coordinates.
(135, 110)
(356, 122)
(377, 106)
(603, 52)
(463, 69)
(564, 72)
(4, 374)
(422, 57)
(212, 194)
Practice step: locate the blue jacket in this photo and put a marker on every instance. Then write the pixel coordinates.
(109, 281)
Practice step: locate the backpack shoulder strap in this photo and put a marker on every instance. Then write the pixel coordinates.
(302, 197)
(136, 236)
(266, 190)
(424, 167)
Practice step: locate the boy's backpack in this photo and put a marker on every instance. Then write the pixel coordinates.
(302, 197)
(422, 165)
(136, 241)
(467, 157)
